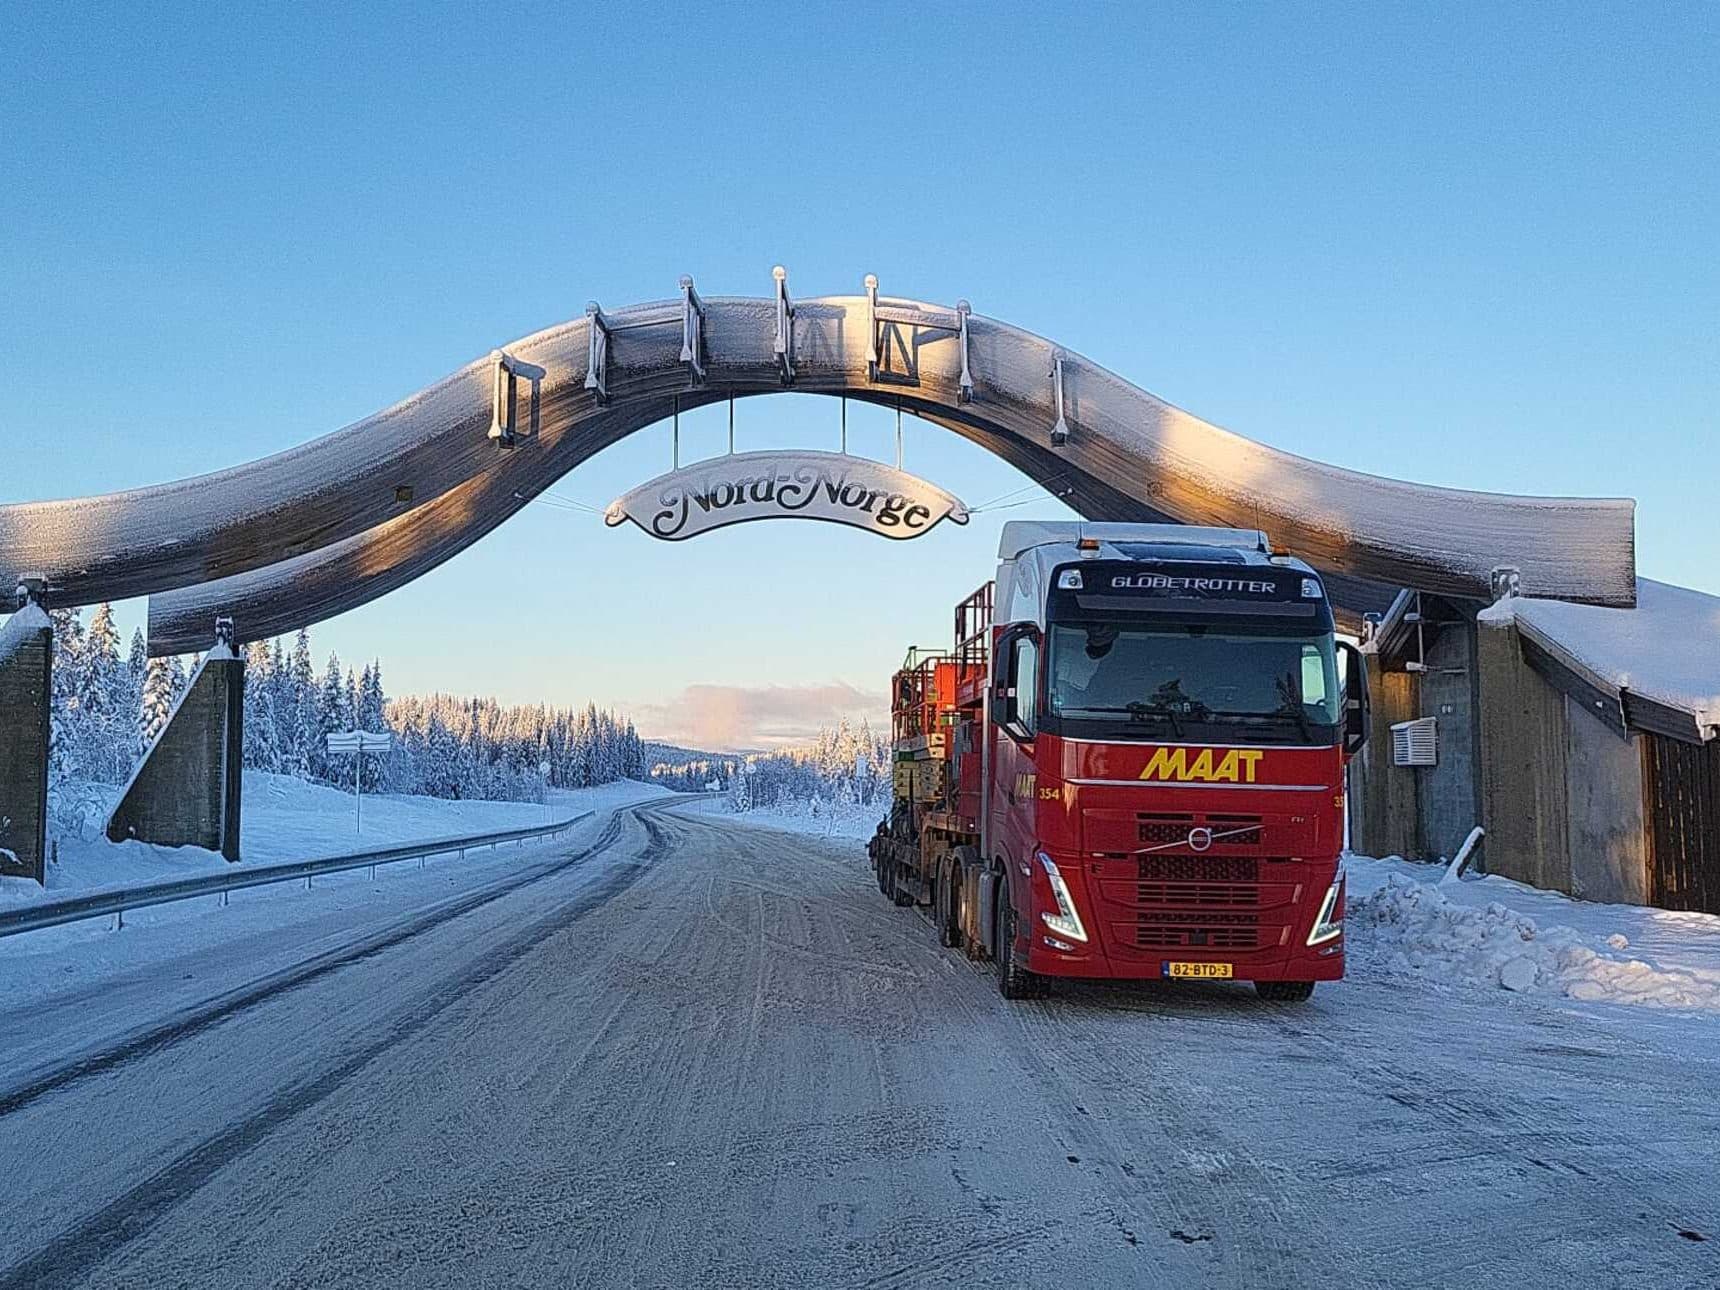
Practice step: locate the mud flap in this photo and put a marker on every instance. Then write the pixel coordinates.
(988, 923)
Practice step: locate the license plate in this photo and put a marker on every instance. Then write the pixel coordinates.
(1209, 971)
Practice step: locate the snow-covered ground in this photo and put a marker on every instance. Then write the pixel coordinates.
(681, 1052)
(300, 821)
(1492, 932)
(1484, 932)
(819, 818)
(285, 818)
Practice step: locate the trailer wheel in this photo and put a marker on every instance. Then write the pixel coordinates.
(1014, 981)
(945, 902)
(1284, 991)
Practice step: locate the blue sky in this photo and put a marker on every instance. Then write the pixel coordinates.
(1472, 245)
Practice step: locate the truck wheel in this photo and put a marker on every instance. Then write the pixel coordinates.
(1014, 981)
(949, 928)
(1285, 991)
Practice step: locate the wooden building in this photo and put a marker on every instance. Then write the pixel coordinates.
(1585, 742)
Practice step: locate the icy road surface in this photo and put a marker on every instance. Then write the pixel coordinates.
(676, 1051)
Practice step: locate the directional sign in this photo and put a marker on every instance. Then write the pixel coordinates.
(360, 741)
(831, 486)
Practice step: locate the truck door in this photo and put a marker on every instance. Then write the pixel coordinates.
(1015, 780)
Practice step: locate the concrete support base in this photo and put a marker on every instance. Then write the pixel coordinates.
(186, 792)
(26, 698)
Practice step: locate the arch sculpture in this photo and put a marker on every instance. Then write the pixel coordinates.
(294, 538)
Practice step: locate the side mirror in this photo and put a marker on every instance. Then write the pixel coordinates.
(1006, 704)
(1355, 699)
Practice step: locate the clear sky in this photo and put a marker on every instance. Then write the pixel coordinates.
(1470, 245)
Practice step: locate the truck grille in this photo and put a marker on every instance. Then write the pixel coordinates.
(1162, 828)
(1206, 936)
(1197, 893)
(1202, 869)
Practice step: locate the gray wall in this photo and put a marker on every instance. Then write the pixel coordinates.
(1385, 818)
(1523, 766)
(1450, 802)
(1607, 829)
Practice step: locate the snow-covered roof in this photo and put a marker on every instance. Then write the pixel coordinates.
(1666, 650)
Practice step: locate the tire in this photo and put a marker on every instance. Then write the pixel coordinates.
(1014, 981)
(1284, 991)
(949, 926)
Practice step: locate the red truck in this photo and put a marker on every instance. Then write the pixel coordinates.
(1131, 764)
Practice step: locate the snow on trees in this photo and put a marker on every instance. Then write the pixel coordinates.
(107, 709)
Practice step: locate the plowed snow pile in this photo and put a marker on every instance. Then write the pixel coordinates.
(1408, 925)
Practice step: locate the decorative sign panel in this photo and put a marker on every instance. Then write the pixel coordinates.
(832, 486)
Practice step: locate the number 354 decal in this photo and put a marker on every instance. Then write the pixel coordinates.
(1027, 787)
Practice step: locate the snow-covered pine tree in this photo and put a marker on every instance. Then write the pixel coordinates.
(102, 717)
(65, 750)
(262, 734)
(156, 703)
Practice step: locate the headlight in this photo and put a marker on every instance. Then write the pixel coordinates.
(1066, 921)
(1330, 923)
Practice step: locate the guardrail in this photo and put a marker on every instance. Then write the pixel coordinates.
(98, 904)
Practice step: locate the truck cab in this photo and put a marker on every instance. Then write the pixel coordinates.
(1131, 764)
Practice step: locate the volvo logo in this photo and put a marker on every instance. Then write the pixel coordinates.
(1200, 839)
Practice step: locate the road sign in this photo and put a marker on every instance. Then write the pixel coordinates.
(360, 741)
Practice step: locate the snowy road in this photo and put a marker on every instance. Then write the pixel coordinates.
(675, 1051)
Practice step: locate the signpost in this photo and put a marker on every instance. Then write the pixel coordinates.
(738, 487)
(356, 743)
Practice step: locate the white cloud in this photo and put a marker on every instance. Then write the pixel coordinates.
(729, 718)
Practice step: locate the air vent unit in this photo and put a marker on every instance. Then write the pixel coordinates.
(1416, 743)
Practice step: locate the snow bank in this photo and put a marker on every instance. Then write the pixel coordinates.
(286, 818)
(816, 817)
(1664, 649)
(1487, 933)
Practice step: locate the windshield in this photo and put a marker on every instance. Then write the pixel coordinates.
(1193, 675)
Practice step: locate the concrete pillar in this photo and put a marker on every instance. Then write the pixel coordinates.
(26, 700)
(1385, 814)
(1523, 749)
(186, 791)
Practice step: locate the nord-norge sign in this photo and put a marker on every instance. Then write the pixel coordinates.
(746, 486)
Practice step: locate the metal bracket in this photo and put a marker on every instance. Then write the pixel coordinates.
(871, 326)
(784, 326)
(1505, 581)
(597, 352)
(1060, 431)
(692, 329)
(878, 317)
(504, 403)
(964, 387)
(224, 633)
